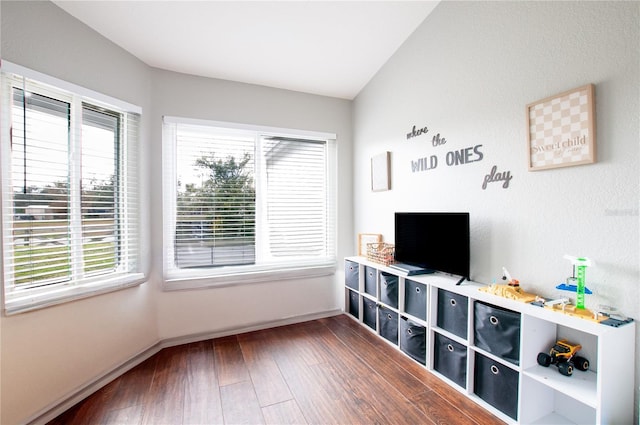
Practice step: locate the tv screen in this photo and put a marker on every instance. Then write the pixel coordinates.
(437, 241)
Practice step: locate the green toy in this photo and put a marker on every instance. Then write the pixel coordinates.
(579, 265)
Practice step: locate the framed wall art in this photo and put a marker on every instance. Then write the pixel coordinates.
(561, 130)
(380, 172)
(364, 239)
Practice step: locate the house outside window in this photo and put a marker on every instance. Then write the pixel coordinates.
(246, 204)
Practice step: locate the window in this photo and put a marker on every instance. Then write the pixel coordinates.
(70, 225)
(245, 204)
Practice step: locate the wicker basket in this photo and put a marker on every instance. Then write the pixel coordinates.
(383, 253)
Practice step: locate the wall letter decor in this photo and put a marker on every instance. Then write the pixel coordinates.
(495, 176)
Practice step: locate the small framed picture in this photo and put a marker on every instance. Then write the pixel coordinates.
(561, 130)
(380, 172)
(364, 239)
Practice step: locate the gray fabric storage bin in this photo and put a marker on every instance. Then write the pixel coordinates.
(450, 359)
(354, 304)
(369, 312)
(496, 384)
(351, 274)
(388, 323)
(389, 289)
(415, 299)
(413, 340)
(370, 280)
(452, 312)
(497, 330)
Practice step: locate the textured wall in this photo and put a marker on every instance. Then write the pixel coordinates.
(467, 73)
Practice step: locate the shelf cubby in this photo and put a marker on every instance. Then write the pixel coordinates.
(446, 314)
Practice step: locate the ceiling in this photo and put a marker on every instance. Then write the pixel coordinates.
(330, 48)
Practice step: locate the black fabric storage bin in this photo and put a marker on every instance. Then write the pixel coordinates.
(370, 280)
(415, 299)
(351, 274)
(496, 384)
(388, 322)
(413, 340)
(497, 331)
(452, 312)
(369, 312)
(450, 359)
(389, 289)
(354, 304)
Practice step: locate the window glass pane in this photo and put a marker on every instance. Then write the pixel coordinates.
(100, 239)
(39, 179)
(215, 199)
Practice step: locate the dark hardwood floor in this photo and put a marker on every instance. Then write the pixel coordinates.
(327, 371)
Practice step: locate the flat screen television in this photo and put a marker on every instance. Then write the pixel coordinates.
(433, 241)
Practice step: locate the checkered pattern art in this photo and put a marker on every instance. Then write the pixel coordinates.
(561, 130)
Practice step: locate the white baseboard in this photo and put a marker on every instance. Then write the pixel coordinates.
(55, 409)
(187, 339)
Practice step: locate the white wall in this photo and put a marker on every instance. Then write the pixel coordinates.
(229, 307)
(467, 73)
(51, 353)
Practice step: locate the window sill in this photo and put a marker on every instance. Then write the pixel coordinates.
(28, 300)
(189, 281)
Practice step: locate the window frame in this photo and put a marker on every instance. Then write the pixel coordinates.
(195, 278)
(18, 300)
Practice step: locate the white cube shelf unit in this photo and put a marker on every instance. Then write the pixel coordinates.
(496, 366)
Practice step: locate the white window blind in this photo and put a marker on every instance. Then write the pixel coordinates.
(70, 219)
(244, 201)
(296, 201)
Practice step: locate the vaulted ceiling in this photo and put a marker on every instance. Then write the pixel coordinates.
(330, 48)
